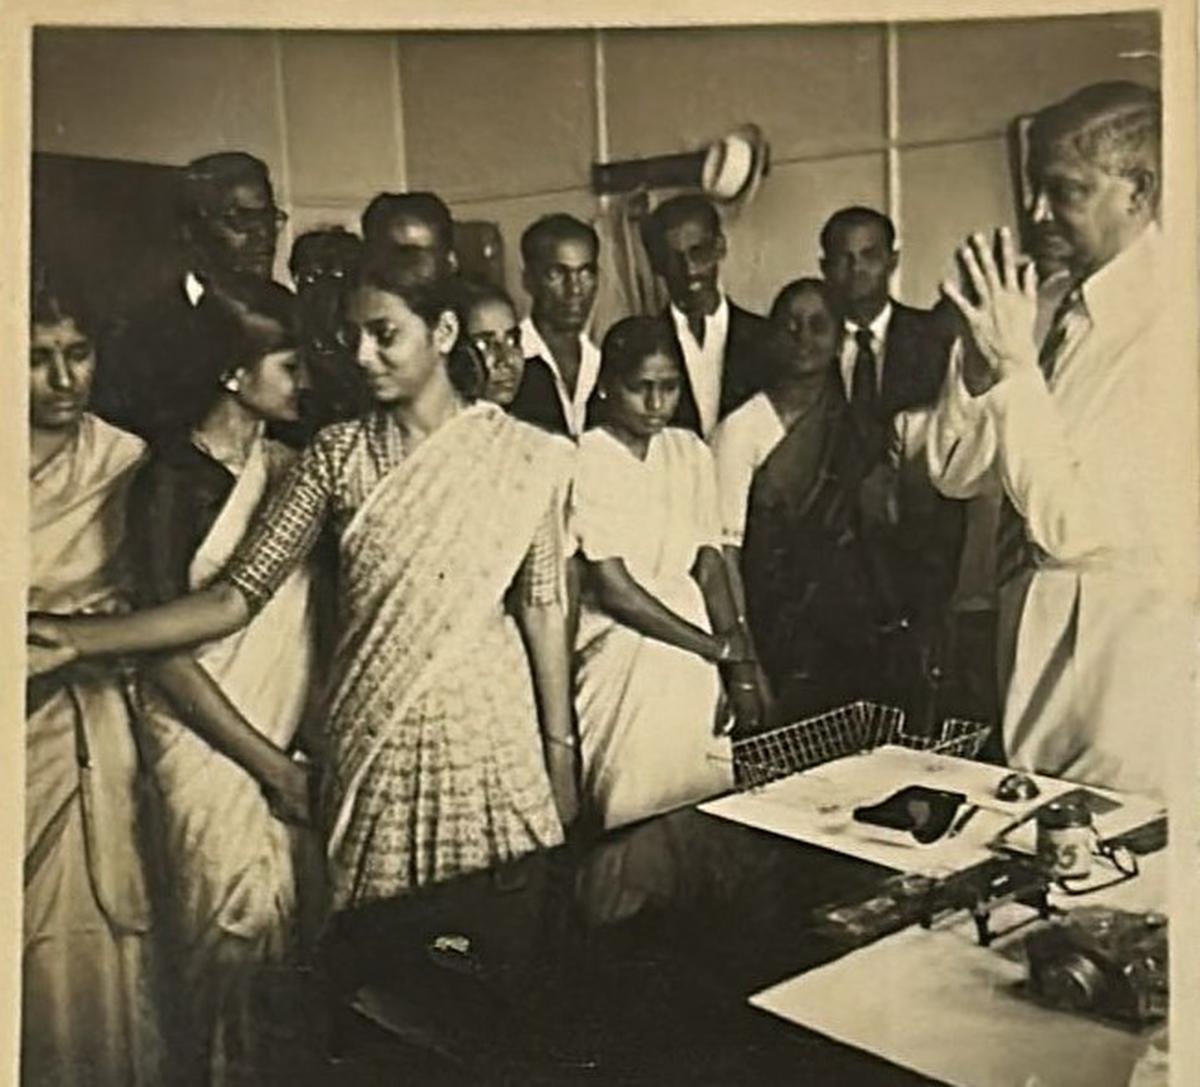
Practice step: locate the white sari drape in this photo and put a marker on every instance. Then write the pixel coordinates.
(232, 883)
(647, 710)
(88, 1011)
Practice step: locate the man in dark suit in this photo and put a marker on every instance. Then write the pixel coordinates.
(147, 372)
(724, 346)
(559, 254)
(889, 361)
(892, 363)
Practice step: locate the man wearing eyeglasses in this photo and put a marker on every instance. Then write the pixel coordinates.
(724, 346)
(559, 254)
(229, 224)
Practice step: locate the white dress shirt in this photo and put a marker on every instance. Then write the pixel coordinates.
(1095, 638)
(574, 407)
(705, 365)
(879, 331)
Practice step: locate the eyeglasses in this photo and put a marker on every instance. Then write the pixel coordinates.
(493, 346)
(248, 220)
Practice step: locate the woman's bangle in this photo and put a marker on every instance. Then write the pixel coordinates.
(562, 741)
(745, 686)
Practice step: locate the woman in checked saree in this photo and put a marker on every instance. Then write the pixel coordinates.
(443, 509)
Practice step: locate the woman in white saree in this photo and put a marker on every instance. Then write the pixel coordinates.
(88, 1009)
(435, 763)
(652, 719)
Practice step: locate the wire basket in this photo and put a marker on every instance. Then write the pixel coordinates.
(847, 730)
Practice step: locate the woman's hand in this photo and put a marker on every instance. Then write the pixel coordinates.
(748, 711)
(734, 647)
(748, 695)
(1002, 321)
(289, 792)
(48, 644)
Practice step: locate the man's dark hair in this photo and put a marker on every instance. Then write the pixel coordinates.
(543, 234)
(207, 178)
(426, 207)
(856, 216)
(685, 208)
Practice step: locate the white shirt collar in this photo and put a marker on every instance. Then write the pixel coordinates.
(193, 289)
(878, 326)
(715, 322)
(705, 365)
(1132, 273)
(878, 329)
(574, 409)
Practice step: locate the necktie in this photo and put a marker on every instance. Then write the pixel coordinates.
(1014, 551)
(696, 322)
(864, 388)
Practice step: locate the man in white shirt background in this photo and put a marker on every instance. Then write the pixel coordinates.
(724, 346)
(1090, 434)
(560, 256)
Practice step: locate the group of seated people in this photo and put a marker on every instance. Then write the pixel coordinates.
(389, 585)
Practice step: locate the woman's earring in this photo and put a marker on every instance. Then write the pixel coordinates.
(231, 384)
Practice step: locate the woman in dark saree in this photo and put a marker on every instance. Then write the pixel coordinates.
(803, 511)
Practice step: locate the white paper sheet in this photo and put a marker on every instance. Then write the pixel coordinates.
(940, 1004)
(817, 806)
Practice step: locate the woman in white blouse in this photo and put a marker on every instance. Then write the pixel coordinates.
(659, 624)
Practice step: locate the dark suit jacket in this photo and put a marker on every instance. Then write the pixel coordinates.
(745, 370)
(152, 367)
(927, 544)
(914, 362)
(537, 399)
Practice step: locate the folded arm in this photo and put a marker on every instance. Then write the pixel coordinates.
(619, 594)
